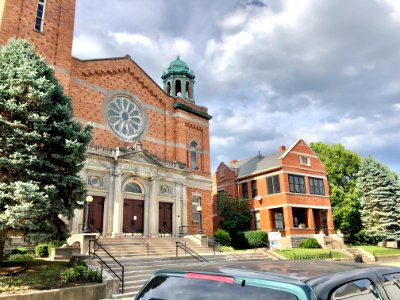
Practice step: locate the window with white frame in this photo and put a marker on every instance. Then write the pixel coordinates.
(195, 214)
(132, 187)
(279, 221)
(40, 15)
(297, 184)
(304, 160)
(193, 155)
(273, 185)
(316, 186)
(254, 190)
(245, 193)
(257, 225)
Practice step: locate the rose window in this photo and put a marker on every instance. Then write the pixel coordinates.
(125, 118)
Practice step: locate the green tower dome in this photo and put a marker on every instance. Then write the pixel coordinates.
(179, 65)
(179, 80)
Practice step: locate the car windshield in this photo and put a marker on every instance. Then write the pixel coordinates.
(181, 288)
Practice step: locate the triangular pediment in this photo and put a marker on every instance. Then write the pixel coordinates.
(140, 157)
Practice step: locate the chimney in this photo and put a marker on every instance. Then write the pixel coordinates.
(233, 161)
(282, 148)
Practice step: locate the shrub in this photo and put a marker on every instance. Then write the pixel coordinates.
(20, 257)
(55, 244)
(239, 241)
(20, 250)
(309, 243)
(80, 273)
(42, 250)
(222, 237)
(256, 238)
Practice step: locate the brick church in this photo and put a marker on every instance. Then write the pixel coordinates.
(148, 166)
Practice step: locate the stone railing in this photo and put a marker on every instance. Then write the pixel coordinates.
(116, 152)
(101, 150)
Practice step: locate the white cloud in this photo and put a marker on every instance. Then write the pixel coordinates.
(134, 39)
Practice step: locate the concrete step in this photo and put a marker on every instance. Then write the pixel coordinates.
(140, 265)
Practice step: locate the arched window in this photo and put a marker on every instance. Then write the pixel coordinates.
(133, 187)
(40, 15)
(188, 90)
(178, 87)
(193, 156)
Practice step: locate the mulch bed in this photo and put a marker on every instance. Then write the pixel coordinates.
(12, 268)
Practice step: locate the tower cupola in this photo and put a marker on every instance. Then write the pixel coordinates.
(178, 80)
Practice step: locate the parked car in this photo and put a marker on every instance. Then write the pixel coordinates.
(275, 280)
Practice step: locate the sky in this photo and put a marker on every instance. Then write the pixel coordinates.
(269, 71)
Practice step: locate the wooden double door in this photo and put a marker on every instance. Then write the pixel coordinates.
(133, 215)
(165, 217)
(96, 211)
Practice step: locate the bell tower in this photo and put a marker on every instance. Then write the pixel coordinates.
(48, 24)
(179, 80)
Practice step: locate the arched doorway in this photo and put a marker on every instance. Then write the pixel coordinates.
(133, 215)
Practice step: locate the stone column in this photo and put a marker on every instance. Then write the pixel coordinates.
(178, 207)
(109, 205)
(147, 199)
(184, 204)
(153, 206)
(118, 205)
(183, 88)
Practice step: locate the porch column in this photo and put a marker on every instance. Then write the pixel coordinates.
(329, 220)
(153, 213)
(118, 205)
(288, 219)
(310, 218)
(269, 221)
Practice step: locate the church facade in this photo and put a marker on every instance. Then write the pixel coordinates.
(148, 166)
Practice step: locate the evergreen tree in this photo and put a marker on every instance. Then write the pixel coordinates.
(234, 213)
(42, 149)
(342, 167)
(380, 200)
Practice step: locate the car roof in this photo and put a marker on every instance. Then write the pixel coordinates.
(283, 270)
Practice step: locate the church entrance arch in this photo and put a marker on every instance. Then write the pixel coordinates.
(165, 217)
(133, 215)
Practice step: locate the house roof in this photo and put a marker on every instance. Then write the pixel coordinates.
(257, 164)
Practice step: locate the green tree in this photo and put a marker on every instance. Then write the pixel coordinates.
(42, 149)
(342, 167)
(234, 213)
(380, 200)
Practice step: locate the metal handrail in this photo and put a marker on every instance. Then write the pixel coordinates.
(181, 233)
(165, 231)
(142, 239)
(95, 243)
(190, 251)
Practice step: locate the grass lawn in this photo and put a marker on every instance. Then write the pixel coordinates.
(379, 251)
(40, 275)
(308, 253)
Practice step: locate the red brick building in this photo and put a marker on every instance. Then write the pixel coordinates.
(287, 192)
(148, 167)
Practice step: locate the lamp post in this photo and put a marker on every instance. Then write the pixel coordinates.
(88, 200)
(200, 230)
